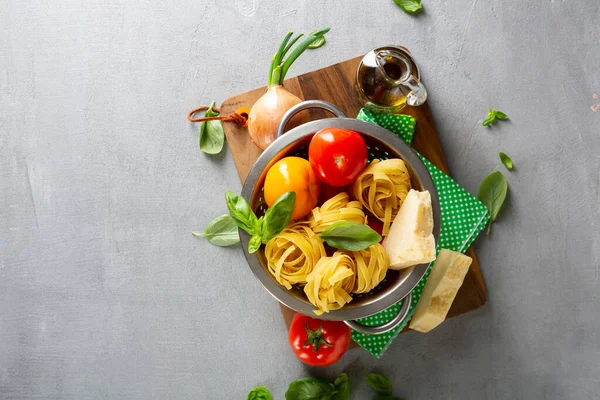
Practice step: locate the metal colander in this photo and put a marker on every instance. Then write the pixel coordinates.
(381, 144)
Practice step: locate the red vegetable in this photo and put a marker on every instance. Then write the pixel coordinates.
(316, 342)
(337, 156)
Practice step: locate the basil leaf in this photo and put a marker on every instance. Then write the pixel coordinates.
(386, 397)
(254, 244)
(342, 385)
(318, 42)
(278, 216)
(506, 160)
(410, 6)
(259, 393)
(221, 231)
(212, 135)
(379, 383)
(309, 389)
(488, 121)
(348, 235)
(492, 193)
(242, 213)
(212, 138)
(500, 115)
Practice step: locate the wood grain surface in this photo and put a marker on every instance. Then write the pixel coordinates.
(335, 85)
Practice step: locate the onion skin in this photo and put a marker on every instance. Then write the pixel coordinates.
(267, 112)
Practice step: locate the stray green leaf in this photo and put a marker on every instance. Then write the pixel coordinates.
(318, 42)
(380, 384)
(492, 193)
(259, 393)
(493, 115)
(278, 216)
(506, 160)
(212, 134)
(348, 235)
(310, 389)
(409, 6)
(342, 385)
(221, 231)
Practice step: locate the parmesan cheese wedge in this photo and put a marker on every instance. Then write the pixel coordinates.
(410, 240)
(447, 276)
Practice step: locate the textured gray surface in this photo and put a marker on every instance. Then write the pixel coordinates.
(104, 294)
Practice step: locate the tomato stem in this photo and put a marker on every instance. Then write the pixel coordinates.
(315, 338)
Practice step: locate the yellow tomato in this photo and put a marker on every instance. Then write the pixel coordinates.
(293, 174)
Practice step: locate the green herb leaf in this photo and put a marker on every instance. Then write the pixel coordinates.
(318, 42)
(221, 231)
(492, 193)
(310, 389)
(278, 216)
(409, 6)
(379, 383)
(500, 115)
(386, 397)
(254, 244)
(242, 213)
(212, 134)
(342, 385)
(348, 235)
(259, 393)
(492, 116)
(506, 160)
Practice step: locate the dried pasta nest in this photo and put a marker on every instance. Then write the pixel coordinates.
(382, 188)
(371, 266)
(293, 253)
(329, 285)
(338, 208)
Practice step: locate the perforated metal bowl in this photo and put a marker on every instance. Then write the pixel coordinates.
(382, 144)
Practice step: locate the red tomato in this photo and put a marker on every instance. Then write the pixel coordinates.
(337, 156)
(317, 342)
(376, 225)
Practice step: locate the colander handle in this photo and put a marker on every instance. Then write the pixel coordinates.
(305, 105)
(388, 326)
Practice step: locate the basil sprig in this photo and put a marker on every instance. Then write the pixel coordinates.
(212, 135)
(379, 383)
(494, 115)
(409, 6)
(319, 389)
(259, 393)
(492, 193)
(264, 229)
(221, 231)
(349, 235)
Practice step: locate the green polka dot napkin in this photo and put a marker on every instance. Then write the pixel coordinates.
(463, 217)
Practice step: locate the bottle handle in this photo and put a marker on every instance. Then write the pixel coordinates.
(418, 93)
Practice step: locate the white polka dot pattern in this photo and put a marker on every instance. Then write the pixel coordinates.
(463, 217)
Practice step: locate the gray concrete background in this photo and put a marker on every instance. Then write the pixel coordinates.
(104, 294)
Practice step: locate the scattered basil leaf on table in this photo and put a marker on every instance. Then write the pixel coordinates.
(342, 385)
(278, 216)
(494, 115)
(379, 383)
(492, 193)
(348, 235)
(310, 389)
(221, 231)
(212, 135)
(259, 393)
(318, 42)
(241, 212)
(506, 160)
(386, 397)
(410, 6)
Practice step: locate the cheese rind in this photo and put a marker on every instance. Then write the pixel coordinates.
(410, 240)
(446, 277)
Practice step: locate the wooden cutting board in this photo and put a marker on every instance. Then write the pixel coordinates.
(335, 85)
